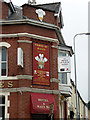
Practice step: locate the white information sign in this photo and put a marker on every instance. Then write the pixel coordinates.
(64, 64)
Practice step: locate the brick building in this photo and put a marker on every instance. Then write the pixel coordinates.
(29, 40)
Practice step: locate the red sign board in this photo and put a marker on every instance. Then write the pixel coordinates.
(40, 103)
(41, 74)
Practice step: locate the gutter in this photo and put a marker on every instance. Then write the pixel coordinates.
(37, 23)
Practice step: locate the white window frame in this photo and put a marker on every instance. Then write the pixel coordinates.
(68, 74)
(7, 45)
(1, 105)
(59, 72)
(7, 103)
(2, 62)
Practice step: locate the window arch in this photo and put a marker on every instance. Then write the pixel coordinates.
(5, 44)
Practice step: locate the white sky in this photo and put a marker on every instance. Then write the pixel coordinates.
(75, 16)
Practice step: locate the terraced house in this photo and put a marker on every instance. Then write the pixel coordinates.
(31, 83)
(82, 106)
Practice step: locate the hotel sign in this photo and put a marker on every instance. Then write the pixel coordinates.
(41, 74)
(41, 103)
(44, 104)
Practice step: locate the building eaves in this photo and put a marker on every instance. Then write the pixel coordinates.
(66, 48)
(37, 23)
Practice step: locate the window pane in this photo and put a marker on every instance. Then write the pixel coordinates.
(3, 69)
(4, 54)
(62, 77)
(2, 108)
(2, 100)
(61, 54)
(2, 112)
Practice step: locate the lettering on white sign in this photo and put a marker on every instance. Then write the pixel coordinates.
(64, 64)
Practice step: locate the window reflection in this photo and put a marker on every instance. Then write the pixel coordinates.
(3, 61)
(2, 107)
(62, 77)
(3, 72)
(4, 54)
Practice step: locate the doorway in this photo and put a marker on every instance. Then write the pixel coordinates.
(41, 117)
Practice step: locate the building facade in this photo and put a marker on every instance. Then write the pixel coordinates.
(64, 81)
(30, 43)
(82, 106)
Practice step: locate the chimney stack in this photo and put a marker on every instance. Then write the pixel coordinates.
(33, 2)
(29, 2)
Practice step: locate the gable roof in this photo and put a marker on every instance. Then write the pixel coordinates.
(51, 6)
(17, 14)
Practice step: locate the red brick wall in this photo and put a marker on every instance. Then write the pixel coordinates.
(13, 109)
(23, 28)
(20, 103)
(14, 70)
(20, 106)
(12, 55)
(27, 54)
(3, 10)
(54, 54)
(30, 12)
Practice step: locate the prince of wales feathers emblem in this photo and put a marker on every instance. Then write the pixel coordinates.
(41, 60)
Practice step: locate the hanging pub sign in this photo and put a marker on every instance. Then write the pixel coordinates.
(41, 74)
(64, 64)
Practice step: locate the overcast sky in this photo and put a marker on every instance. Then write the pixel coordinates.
(75, 16)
